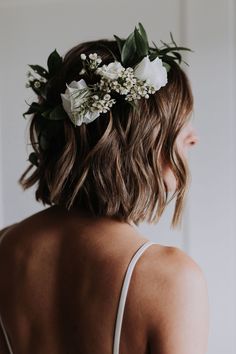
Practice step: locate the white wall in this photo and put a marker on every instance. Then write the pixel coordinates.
(30, 30)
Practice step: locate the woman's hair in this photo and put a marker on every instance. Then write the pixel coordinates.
(113, 166)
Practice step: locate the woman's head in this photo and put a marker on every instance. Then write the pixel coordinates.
(120, 164)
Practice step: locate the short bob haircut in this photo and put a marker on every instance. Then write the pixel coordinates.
(113, 166)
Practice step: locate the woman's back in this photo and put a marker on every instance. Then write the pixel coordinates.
(64, 278)
(63, 284)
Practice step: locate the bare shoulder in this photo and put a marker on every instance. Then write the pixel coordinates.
(178, 303)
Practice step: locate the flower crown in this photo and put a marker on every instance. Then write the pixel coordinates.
(139, 71)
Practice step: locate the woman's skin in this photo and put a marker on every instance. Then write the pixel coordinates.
(60, 278)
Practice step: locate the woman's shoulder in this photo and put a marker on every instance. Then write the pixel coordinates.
(171, 267)
(176, 301)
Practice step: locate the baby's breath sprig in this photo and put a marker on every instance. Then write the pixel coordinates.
(90, 63)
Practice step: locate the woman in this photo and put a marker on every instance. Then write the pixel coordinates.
(65, 272)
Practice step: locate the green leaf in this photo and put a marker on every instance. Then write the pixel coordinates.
(120, 42)
(141, 44)
(143, 33)
(178, 56)
(34, 108)
(57, 113)
(129, 50)
(39, 70)
(156, 47)
(165, 44)
(54, 62)
(153, 56)
(172, 49)
(172, 39)
(46, 113)
(33, 159)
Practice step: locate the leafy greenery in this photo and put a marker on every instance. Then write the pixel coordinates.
(54, 63)
(136, 47)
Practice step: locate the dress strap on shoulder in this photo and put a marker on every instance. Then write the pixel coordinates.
(124, 292)
(6, 336)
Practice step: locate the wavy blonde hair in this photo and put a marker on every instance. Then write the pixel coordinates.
(114, 165)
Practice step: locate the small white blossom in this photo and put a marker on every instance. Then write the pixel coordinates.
(107, 97)
(93, 56)
(83, 71)
(83, 56)
(37, 84)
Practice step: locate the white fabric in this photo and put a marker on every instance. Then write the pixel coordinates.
(123, 295)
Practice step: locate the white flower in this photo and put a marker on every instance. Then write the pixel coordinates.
(107, 97)
(75, 96)
(152, 71)
(83, 56)
(111, 71)
(87, 117)
(82, 71)
(93, 56)
(37, 84)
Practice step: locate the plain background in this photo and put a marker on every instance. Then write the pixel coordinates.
(30, 30)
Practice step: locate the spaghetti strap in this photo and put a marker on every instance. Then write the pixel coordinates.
(6, 336)
(123, 295)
